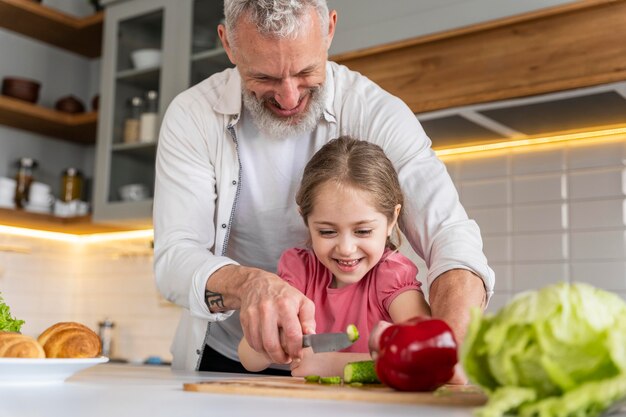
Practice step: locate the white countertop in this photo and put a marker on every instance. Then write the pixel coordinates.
(115, 390)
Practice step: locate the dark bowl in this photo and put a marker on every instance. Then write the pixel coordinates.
(69, 104)
(21, 88)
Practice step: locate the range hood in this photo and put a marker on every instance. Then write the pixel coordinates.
(584, 109)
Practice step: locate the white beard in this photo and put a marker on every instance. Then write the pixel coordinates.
(285, 127)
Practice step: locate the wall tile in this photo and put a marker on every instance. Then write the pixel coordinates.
(497, 301)
(609, 275)
(600, 154)
(596, 214)
(540, 247)
(597, 184)
(497, 248)
(540, 218)
(528, 161)
(535, 189)
(491, 220)
(504, 276)
(471, 168)
(538, 275)
(598, 245)
(484, 193)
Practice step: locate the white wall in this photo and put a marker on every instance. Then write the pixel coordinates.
(366, 23)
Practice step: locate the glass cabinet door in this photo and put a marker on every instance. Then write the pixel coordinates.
(136, 108)
(207, 54)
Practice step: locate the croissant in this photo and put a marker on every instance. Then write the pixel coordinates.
(70, 340)
(16, 345)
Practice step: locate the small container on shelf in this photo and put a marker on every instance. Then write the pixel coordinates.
(71, 185)
(131, 124)
(148, 128)
(24, 179)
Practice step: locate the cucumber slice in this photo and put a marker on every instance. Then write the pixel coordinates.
(352, 332)
(312, 378)
(330, 380)
(361, 371)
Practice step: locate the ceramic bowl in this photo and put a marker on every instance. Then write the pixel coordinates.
(21, 88)
(146, 58)
(133, 192)
(69, 104)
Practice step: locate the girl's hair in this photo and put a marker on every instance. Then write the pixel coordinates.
(356, 164)
(280, 18)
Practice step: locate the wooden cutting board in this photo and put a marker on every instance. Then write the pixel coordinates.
(279, 386)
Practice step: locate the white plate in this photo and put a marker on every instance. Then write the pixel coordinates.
(42, 371)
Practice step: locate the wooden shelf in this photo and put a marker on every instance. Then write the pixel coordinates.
(79, 35)
(80, 225)
(79, 128)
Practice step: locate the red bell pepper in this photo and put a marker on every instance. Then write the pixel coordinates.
(417, 355)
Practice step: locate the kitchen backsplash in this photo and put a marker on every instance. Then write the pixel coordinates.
(45, 282)
(547, 214)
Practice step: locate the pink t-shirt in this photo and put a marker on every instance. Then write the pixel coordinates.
(363, 303)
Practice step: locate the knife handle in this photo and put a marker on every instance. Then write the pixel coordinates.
(306, 340)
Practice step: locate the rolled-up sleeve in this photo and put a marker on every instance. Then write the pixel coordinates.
(184, 212)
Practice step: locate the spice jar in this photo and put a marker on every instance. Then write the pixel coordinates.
(131, 124)
(71, 185)
(106, 336)
(149, 118)
(24, 178)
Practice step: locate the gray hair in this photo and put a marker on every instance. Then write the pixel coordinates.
(280, 18)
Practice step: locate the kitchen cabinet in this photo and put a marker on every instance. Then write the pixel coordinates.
(79, 35)
(185, 33)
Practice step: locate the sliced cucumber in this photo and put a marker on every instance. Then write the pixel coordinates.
(352, 332)
(330, 380)
(361, 371)
(312, 378)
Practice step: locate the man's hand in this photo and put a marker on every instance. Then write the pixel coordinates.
(452, 295)
(273, 314)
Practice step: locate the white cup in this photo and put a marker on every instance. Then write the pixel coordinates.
(133, 192)
(40, 195)
(7, 188)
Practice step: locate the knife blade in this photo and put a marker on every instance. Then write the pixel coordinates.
(326, 342)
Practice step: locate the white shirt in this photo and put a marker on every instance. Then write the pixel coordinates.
(198, 194)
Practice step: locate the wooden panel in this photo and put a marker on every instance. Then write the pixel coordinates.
(79, 225)
(449, 395)
(576, 45)
(79, 35)
(79, 128)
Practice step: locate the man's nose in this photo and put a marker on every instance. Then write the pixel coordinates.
(288, 95)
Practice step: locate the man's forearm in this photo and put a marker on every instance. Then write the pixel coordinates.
(224, 286)
(452, 295)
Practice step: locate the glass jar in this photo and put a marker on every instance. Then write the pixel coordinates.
(71, 185)
(23, 179)
(149, 118)
(131, 123)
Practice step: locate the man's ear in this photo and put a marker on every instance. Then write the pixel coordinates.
(221, 32)
(332, 23)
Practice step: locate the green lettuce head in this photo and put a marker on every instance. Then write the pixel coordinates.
(556, 352)
(7, 322)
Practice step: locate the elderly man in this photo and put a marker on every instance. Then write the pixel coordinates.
(231, 152)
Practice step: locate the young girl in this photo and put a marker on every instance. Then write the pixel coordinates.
(350, 200)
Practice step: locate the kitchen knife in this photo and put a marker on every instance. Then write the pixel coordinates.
(326, 342)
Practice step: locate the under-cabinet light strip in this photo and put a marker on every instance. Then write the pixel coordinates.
(74, 238)
(606, 134)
